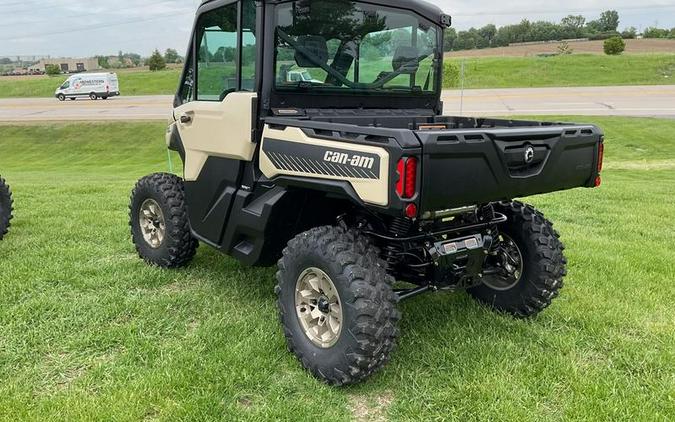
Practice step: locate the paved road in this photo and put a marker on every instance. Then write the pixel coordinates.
(658, 101)
(156, 107)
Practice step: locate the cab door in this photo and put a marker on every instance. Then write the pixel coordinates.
(215, 112)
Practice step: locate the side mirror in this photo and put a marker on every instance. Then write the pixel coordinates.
(187, 88)
(406, 60)
(313, 46)
(189, 78)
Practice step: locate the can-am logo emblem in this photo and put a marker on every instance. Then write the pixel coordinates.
(350, 159)
(529, 154)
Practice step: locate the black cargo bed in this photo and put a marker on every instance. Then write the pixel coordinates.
(476, 161)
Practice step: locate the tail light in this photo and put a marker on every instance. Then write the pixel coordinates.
(411, 210)
(410, 177)
(400, 169)
(407, 177)
(601, 156)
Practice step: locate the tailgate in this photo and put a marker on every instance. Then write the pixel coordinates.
(476, 166)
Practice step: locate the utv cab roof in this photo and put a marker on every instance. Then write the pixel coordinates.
(421, 7)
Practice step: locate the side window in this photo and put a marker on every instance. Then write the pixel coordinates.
(217, 54)
(187, 88)
(248, 45)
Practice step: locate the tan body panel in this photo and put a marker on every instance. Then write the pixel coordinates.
(219, 129)
(370, 190)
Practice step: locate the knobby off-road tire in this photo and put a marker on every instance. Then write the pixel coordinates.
(160, 197)
(544, 265)
(368, 304)
(6, 208)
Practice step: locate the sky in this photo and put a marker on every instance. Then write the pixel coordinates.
(77, 28)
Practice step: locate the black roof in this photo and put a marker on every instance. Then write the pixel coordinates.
(426, 9)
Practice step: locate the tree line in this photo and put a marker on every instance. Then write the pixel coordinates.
(156, 61)
(570, 27)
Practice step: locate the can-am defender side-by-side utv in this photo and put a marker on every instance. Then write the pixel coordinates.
(6, 209)
(353, 179)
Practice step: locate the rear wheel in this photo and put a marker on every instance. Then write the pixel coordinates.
(6, 208)
(336, 305)
(61, 97)
(93, 96)
(159, 222)
(528, 264)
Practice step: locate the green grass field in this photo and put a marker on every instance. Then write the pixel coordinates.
(131, 83)
(571, 70)
(88, 332)
(484, 72)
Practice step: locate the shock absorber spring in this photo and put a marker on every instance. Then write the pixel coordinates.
(399, 227)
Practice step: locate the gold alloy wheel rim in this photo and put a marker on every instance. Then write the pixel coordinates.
(318, 307)
(153, 226)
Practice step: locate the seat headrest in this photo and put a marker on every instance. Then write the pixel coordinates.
(406, 56)
(315, 45)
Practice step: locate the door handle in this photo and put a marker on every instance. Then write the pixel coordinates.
(185, 119)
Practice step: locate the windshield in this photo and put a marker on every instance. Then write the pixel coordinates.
(348, 46)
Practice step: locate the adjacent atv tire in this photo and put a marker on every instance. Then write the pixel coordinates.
(159, 221)
(6, 208)
(542, 264)
(336, 305)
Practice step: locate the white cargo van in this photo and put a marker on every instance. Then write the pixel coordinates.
(92, 85)
(301, 75)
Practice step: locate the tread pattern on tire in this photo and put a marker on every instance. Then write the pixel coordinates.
(374, 327)
(6, 208)
(181, 246)
(550, 267)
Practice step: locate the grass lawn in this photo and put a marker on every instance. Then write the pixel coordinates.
(571, 70)
(88, 332)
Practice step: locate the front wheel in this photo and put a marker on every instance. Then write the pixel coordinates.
(159, 222)
(336, 305)
(527, 265)
(61, 97)
(6, 209)
(93, 96)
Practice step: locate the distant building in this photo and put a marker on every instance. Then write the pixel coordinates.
(117, 63)
(68, 65)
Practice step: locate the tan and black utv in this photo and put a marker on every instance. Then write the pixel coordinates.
(350, 178)
(6, 209)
